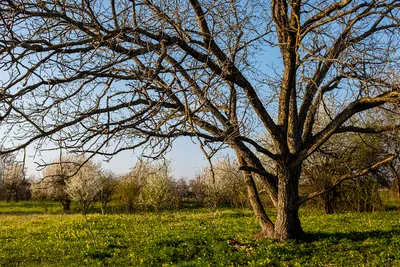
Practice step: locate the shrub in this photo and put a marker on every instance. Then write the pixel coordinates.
(222, 186)
(84, 186)
(158, 191)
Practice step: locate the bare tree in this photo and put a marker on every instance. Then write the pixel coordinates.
(106, 76)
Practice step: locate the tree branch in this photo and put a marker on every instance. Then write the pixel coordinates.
(353, 108)
(343, 178)
(369, 130)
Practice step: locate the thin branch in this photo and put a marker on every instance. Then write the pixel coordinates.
(345, 177)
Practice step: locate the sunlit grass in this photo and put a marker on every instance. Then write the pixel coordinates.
(195, 238)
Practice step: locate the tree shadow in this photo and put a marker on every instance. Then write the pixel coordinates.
(330, 248)
(355, 236)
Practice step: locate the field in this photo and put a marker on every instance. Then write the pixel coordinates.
(29, 237)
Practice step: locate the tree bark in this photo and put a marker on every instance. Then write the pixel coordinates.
(267, 226)
(287, 224)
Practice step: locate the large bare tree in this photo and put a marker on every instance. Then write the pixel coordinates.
(106, 76)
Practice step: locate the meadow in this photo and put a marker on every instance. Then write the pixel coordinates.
(33, 236)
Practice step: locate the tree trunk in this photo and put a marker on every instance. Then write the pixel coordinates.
(103, 206)
(66, 204)
(267, 227)
(329, 201)
(396, 176)
(287, 224)
(16, 197)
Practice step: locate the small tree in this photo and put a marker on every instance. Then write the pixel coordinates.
(84, 186)
(222, 186)
(14, 181)
(337, 158)
(57, 174)
(53, 184)
(108, 187)
(159, 189)
(130, 185)
(40, 192)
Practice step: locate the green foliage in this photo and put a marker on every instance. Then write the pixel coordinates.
(129, 187)
(194, 238)
(337, 158)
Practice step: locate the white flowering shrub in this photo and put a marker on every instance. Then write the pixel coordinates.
(84, 186)
(159, 189)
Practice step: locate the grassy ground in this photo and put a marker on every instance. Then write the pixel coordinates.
(191, 238)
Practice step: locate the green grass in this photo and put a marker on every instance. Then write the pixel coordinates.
(192, 238)
(26, 208)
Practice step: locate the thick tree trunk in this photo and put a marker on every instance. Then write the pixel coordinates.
(287, 224)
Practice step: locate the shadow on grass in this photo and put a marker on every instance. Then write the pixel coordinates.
(324, 249)
(352, 236)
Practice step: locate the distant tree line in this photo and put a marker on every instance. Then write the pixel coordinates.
(147, 186)
(151, 185)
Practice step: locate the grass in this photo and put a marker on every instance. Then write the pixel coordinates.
(191, 238)
(27, 208)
